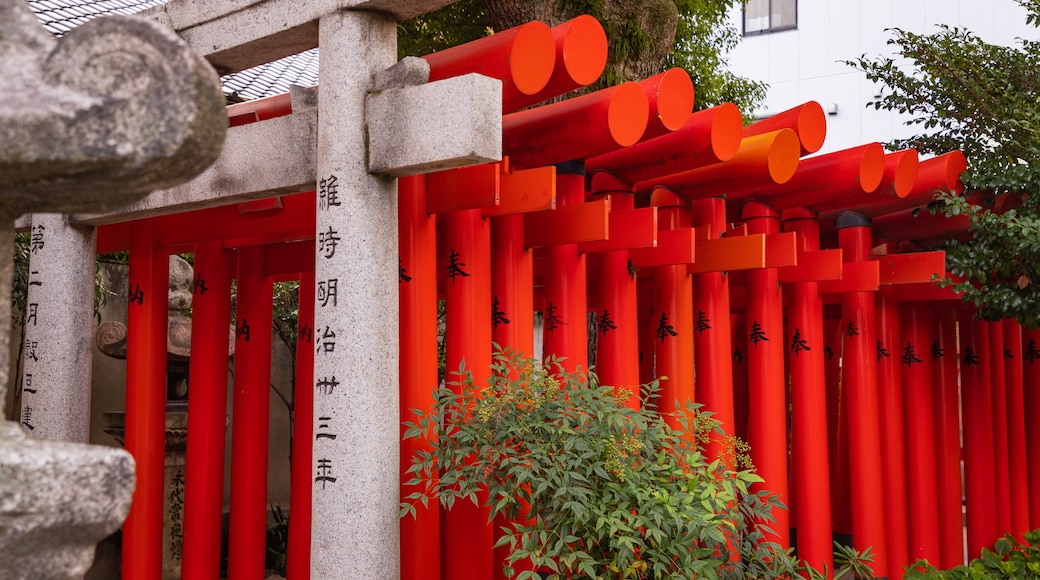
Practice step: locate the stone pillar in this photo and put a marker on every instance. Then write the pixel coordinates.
(59, 329)
(356, 414)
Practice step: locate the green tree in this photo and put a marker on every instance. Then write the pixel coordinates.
(982, 99)
(644, 36)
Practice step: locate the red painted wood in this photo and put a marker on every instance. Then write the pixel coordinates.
(247, 528)
(298, 558)
(708, 137)
(417, 289)
(810, 463)
(890, 352)
(767, 419)
(977, 398)
(947, 439)
(207, 398)
(917, 360)
(523, 58)
(1016, 418)
(146, 402)
(1001, 469)
(860, 397)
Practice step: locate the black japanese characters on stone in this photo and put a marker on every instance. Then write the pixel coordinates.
(326, 385)
(324, 473)
(328, 193)
(327, 242)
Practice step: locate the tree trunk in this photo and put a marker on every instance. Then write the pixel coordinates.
(640, 33)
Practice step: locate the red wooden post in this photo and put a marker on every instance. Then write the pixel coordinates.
(565, 328)
(810, 462)
(617, 345)
(247, 530)
(890, 350)
(146, 401)
(947, 440)
(976, 394)
(673, 315)
(1001, 471)
(298, 559)
(738, 330)
(1031, 386)
(512, 319)
(917, 357)
(838, 437)
(207, 400)
(466, 550)
(767, 420)
(1019, 474)
(417, 287)
(860, 401)
(711, 346)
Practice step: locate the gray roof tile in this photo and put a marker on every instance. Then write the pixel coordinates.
(61, 16)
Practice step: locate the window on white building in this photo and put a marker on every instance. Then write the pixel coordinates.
(765, 16)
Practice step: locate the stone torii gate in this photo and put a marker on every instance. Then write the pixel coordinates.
(371, 122)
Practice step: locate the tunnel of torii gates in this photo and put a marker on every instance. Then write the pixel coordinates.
(755, 278)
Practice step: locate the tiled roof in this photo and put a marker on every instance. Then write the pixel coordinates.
(61, 16)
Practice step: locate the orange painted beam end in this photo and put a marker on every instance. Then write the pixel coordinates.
(525, 191)
(807, 120)
(580, 57)
(569, 224)
(671, 101)
(708, 137)
(477, 186)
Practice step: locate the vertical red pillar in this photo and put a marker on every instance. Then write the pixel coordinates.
(617, 343)
(916, 361)
(891, 351)
(673, 318)
(298, 559)
(738, 340)
(810, 461)
(978, 433)
(838, 432)
(1001, 469)
(512, 317)
(417, 289)
(247, 528)
(860, 402)
(207, 419)
(467, 538)
(947, 439)
(565, 321)
(146, 401)
(645, 316)
(1016, 419)
(767, 418)
(711, 327)
(1031, 396)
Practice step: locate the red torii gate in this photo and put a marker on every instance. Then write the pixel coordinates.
(540, 232)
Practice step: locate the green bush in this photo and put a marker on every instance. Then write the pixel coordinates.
(592, 488)
(1009, 558)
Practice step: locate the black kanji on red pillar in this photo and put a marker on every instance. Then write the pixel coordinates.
(798, 343)
(909, 356)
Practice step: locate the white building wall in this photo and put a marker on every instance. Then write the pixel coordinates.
(808, 63)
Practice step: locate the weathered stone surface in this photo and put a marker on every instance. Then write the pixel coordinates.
(53, 507)
(450, 123)
(239, 34)
(118, 107)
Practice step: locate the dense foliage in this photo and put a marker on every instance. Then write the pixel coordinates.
(1009, 559)
(983, 99)
(592, 488)
(702, 39)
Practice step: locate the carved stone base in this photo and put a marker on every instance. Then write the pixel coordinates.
(57, 501)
